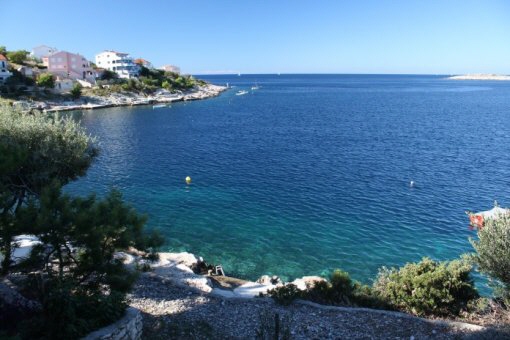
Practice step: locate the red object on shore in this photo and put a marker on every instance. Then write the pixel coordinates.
(477, 220)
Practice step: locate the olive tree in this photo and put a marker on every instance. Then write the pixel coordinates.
(37, 149)
(493, 251)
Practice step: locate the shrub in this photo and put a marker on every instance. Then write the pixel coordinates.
(493, 253)
(46, 80)
(284, 295)
(76, 91)
(428, 287)
(340, 290)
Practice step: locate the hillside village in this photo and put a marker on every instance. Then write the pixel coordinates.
(52, 80)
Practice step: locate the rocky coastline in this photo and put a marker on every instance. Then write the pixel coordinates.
(90, 102)
(175, 302)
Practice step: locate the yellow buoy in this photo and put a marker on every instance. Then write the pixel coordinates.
(188, 180)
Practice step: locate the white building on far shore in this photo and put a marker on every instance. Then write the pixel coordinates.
(42, 51)
(4, 69)
(120, 63)
(170, 68)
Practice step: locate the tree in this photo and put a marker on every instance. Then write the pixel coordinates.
(38, 150)
(17, 57)
(3, 50)
(46, 80)
(493, 252)
(76, 91)
(109, 75)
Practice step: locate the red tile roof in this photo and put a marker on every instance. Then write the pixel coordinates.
(2, 57)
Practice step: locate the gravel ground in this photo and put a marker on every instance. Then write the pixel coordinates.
(174, 312)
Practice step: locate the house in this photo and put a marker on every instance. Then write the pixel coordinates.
(170, 68)
(144, 63)
(69, 65)
(120, 63)
(42, 51)
(26, 71)
(63, 85)
(4, 69)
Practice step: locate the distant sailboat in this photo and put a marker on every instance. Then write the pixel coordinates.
(239, 74)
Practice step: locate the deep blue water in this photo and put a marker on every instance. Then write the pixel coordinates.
(311, 172)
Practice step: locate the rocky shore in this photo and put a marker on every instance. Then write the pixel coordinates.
(89, 102)
(177, 303)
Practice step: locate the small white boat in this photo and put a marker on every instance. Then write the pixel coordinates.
(241, 93)
(256, 87)
(158, 106)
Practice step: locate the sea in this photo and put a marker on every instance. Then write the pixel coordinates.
(310, 173)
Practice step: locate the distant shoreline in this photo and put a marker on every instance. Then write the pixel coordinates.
(480, 77)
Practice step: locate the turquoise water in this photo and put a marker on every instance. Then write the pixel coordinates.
(311, 172)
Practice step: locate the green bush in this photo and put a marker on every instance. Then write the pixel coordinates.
(340, 290)
(76, 91)
(46, 80)
(428, 287)
(493, 253)
(284, 295)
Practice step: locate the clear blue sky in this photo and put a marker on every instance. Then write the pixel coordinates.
(287, 36)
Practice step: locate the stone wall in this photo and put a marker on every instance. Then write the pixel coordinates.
(127, 328)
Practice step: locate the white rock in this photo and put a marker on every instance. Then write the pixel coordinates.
(223, 293)
(252, 289)
(126, 258)
(301, 283)
(185, 258)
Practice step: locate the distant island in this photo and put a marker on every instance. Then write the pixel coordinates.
(480, 76)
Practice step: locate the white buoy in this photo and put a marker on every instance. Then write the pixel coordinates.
(411, 184)
(188, 180)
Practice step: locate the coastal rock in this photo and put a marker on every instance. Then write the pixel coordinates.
(269, 280)
(185, 258)
(127, 259)
(182, 275)
(307, 281)
(252, 289)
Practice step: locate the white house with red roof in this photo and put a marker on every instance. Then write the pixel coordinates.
(118, 62)
(4, 69)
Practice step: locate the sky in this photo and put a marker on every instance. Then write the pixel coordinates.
(278, 36)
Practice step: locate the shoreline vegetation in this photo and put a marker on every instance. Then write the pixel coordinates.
(480, 76)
